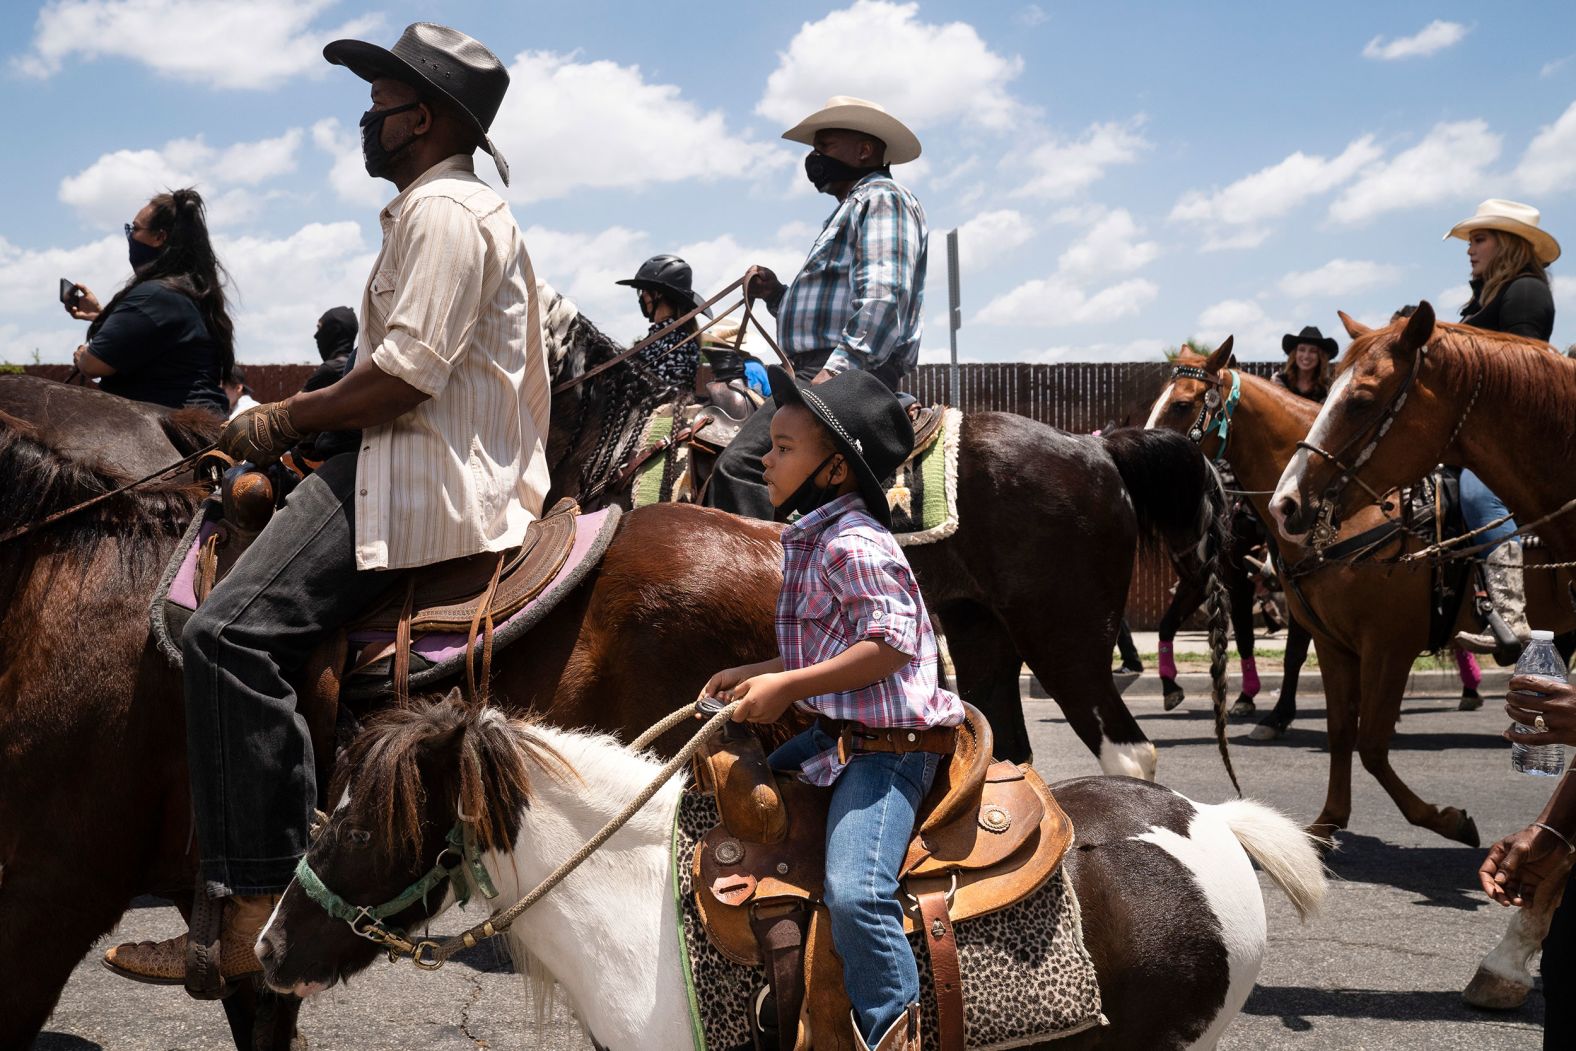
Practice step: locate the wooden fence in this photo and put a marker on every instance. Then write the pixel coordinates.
(1079, 396)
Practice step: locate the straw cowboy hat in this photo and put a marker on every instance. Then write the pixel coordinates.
(1513, 218)
(440, 60)
(845, 111)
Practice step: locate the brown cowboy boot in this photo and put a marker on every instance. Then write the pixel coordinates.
(164, 963)
(901, 1035)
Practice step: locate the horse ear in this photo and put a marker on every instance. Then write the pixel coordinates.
(1354, 328)
(1220, 357)
(1419, 329)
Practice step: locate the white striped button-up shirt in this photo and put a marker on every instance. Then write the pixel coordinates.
(451, 308)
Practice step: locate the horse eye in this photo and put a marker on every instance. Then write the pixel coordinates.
(1180, 406)
(357, 837)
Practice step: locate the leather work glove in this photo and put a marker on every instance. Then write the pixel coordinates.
(260, 434)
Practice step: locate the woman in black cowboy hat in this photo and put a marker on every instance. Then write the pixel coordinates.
(1308, 359)
(665, 285)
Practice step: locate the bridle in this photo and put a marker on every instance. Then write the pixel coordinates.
(1327, 519)
(1214, 416)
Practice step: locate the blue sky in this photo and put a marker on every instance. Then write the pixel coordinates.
(1125, 175)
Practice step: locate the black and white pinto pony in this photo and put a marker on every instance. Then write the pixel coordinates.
(1173, 914)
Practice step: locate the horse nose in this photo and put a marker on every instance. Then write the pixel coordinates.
(265, 947)
(1284, 511)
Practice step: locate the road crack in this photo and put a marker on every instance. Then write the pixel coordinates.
(465, 1011)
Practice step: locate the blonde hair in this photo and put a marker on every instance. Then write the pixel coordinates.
(1289, 371)
(1514, 258)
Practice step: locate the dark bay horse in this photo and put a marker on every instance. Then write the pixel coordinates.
(1172, 912)
(1421, 392)
(1038, 570)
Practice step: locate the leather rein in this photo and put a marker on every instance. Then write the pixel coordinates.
(1214, 416)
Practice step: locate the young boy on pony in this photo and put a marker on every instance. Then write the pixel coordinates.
(856, 649)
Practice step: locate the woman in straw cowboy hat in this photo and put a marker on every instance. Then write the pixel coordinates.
(1508, 251)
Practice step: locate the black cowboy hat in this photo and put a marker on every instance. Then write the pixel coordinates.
(667, 273)
(434, 58)
(866, 422)
(1310, 334)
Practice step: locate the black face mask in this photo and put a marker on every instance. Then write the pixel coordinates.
(328, 341)
(378, 160)
(808, 496)
(823, 171)
(140, 254)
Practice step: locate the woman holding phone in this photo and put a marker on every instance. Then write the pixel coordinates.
(166, 337)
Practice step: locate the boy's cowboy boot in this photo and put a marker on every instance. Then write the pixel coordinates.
(1508, 596)
(164, 963)
(901, 1035)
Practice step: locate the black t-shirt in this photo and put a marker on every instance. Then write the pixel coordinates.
(160, 349)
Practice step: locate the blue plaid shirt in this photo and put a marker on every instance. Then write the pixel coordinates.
(862, 286)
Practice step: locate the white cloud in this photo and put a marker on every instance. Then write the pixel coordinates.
(572, 125)
(1257, 334)
(1235, 216)
(1549, 165)
(282, 285)
(1339, 277)
(984, 239)
(1131, 350)
(115, 186)
(1054, 302)
(1030, 16)
(1552, 67)
(348, 175)
(1448, 164)
(1436, 36)
(29, 284)
(1110, 246)
(1062, 168)
(923, 73)
(223, 43)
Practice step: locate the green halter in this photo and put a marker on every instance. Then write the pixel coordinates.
(465, 871)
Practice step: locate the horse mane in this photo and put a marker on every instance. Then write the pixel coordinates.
(1516, 370)
(383, 768)
(191, 429)
(36, 481)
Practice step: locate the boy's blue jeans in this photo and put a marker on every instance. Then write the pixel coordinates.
(874, 803)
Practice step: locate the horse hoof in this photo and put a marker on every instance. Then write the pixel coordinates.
(1243, 707)
(1174, 694)
(1466, 831)
(1470, 702)
(1323, 836)
(1270, 729)
(1493, 993)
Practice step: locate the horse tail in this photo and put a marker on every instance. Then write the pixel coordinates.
(1179, 500)
(1286, 853)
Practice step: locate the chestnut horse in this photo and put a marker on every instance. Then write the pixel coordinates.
(1422, 392)
(92, 757)
(1038, 570)
(1369, 620)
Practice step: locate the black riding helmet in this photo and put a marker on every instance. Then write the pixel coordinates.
(670, 277)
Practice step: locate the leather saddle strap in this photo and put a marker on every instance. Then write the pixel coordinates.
(944, 968)
(482, 624)
(779, 929)
(204, 978)
(402, 645)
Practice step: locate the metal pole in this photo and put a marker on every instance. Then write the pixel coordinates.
(954, 313)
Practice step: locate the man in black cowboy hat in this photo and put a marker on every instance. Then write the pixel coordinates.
(448, 394)
(1307, 369)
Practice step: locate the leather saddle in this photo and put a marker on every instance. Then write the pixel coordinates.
(988, 834)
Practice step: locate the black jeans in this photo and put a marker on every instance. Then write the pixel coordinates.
(1559, 976)
(252, 776)
(737, 481)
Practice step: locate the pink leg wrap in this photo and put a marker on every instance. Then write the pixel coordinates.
(1168, 664)
(1250, 677)
(1466, 663)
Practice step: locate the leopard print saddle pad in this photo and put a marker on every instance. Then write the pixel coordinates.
(1027, 976)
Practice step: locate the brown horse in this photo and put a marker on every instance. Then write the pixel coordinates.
(1424, 392)
(1369, 620)
(1038, 570)
(92, 763)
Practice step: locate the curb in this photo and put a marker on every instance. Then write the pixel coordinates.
(1434, 683)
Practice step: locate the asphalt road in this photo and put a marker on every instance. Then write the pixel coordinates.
(1381, 969)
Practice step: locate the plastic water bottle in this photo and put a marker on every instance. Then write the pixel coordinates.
(1544, 760)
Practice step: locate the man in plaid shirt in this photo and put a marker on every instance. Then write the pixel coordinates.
(856, 302)
(855, 648)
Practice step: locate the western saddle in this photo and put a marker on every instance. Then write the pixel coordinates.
(988, 835)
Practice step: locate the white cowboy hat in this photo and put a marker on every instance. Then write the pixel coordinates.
(1513, 218)
(845, 111)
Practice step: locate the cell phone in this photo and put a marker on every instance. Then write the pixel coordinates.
(69, 293)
